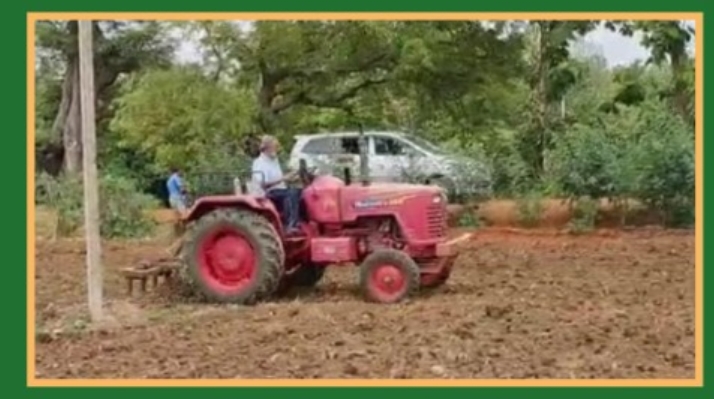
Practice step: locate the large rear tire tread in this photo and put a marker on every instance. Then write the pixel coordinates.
(264, 239)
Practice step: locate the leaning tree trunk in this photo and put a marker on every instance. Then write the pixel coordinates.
(68, 122)
(72, 128)
(67, 125)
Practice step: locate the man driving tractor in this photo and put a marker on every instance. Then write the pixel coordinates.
(268, 174)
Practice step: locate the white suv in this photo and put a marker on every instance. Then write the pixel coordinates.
(393, 157)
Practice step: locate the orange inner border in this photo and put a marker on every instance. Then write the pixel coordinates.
(698, 19)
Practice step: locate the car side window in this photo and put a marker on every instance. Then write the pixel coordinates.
(350, 145)
(384, 145)
(322, 146)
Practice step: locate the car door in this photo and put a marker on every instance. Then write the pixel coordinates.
(346, 155)
(391, 159)
(331, 154)
(317, 153)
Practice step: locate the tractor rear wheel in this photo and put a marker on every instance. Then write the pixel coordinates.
(232, 256)
(389, 276)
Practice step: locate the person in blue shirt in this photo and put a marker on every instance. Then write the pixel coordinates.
(268, 174)
(177, 192)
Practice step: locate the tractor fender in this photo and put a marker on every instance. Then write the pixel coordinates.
(262, 206)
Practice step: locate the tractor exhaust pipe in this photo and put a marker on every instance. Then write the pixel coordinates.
(363, 161)
(348, 176)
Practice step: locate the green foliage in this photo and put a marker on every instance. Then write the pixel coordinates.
(510, 97)
(64, 196)
(48, 93)
(585, 162)
(129, 43)
(645, 153)
(181, 118)
(469, 219)
(123, 209)
(663, 157)
(584, 215)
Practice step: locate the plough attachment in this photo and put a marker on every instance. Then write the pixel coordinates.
(149, 273)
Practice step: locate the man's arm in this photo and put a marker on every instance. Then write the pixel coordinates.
(272, 183)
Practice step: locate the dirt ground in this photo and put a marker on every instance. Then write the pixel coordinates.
(532, 304)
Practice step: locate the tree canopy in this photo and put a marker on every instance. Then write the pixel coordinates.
(512, 94)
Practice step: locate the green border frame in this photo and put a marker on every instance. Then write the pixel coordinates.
(14, 335)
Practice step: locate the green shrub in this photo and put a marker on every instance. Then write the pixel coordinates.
(663, 158)
(469, 219)
(586, 162)
(122, 207)
(65, 197)
(584, 215)
(644, 153)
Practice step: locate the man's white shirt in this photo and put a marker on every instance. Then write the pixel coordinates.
(267, 169)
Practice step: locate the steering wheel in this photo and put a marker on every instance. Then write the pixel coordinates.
(306, 175)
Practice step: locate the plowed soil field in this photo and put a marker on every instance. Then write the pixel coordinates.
(520, 304)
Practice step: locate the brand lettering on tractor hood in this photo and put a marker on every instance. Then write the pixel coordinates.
(381, 202)
(367, 203)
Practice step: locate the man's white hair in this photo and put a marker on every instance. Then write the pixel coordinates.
(266, 141)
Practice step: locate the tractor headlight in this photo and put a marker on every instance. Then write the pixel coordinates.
(438, 199)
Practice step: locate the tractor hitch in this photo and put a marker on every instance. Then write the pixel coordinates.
(449, 248)
(149, 273)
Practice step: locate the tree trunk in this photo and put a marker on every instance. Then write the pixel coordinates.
(68, 122)
(541, 99)
(681, 98)
(267, 118)
(534, 138)
(72, 128)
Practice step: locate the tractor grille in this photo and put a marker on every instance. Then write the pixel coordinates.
(436, 220)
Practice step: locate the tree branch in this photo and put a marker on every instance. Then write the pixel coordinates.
(333, 101)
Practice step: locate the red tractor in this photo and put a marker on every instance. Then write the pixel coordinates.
(236, 251)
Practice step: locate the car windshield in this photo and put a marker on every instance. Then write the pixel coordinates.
(425, 144)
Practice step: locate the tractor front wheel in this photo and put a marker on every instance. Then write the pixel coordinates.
(389, 276)
(232, 256)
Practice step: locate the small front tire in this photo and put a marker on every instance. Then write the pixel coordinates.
(389, 276)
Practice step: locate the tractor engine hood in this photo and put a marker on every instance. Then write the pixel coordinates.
(392, 194)
(397, 189)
